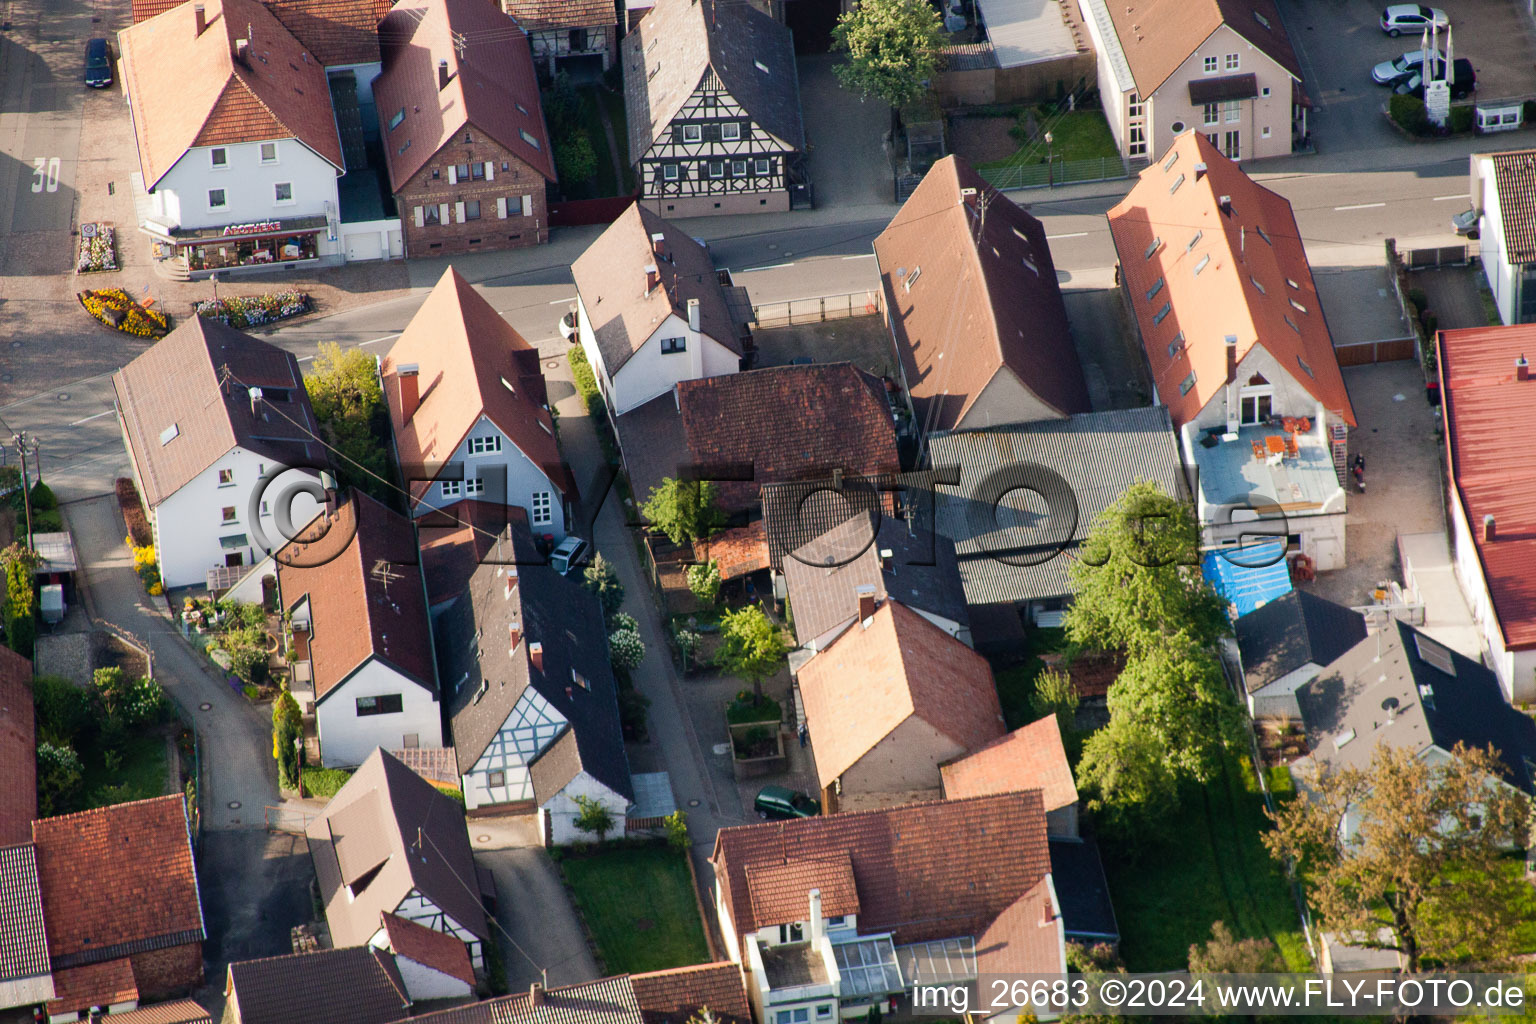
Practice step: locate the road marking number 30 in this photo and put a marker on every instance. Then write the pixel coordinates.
(46, 173)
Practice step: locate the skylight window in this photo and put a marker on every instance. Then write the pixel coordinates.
(1298, 306)
(1176, 183)
(1261, 19)
(1172, 159)
(1263, 236)
(169, 434)
(528, 138)
(1176, 345)
(1343, 738)
(1194, 241)
(1156, 287)
(1257, 285)
(1202, 264)
(912, 277)
(1307, 369)
(1157, 243)
(761, 66)
(1293, 284)
(1432, 653)
(1162, 314)
(1032, 268)
(1187, 384)
(1292, 323)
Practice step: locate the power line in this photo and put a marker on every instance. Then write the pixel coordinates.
(544, 971)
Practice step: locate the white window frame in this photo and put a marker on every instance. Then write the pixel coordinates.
(488, 445)
(1211, 113)
(543, 508)
(716, 169)
(763, 165)
(1232, 111)
(219, 151)
(1254, 394)
(738, 168)
(222, 204)
(1234, 62)
(693, 133)
(1211, 65)
(226, 478)
(262, 153)
(283, 202)
(730, 131)
(672, 346)
(474, 486)
(669, 172)
(229, 514)
(451, 488)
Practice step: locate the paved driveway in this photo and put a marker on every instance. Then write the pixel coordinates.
(846, 135)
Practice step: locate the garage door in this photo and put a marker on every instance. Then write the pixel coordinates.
(364, 246)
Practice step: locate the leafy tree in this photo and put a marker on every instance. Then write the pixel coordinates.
(1225, 953)
(287, 726)
(20, 565)
(562, 106)
(600, 578)
(1125, 776)
(145, 702)
(684, 510)
(1137, 578)
(1055, 695)
(623, 621)
(592, 816)
(59, 775)
(677, 830)
(751, 647)
(894, 49)
(64, 710)
(575, 159)
(247, 650)
(1177, 693)
(1411, 856)
(704, 581)
(626, 649)
(348, 400)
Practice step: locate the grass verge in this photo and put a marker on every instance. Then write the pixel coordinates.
(638, 903)
(323, 783)
(1075, 135)
(140, 775)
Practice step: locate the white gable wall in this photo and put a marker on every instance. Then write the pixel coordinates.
(531, 727)
(417, 907)
(1502, 277)
(421, 981)
(181, 199)
(649, 372)
(346, 738)
(562, 811)
(509, 476)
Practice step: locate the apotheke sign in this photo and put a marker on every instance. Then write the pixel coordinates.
(258, 228)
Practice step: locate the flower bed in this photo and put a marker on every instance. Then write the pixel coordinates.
(98, 249)
(139, 533)
(113, 307)
(253, 310)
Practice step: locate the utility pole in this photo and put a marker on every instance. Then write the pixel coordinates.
(26, 484)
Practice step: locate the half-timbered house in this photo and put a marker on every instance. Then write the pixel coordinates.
(569, 35)
(713, 100)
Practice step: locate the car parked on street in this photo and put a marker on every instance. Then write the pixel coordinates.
(1463, 81)
(98, 64)
(1415, 18)
(1393, 72)
(568, 325)
(779, 803)
(570, 553)
(1465, 223)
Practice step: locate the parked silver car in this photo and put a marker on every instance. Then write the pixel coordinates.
(1415, 18)
(1465, 223)
(1391, 72)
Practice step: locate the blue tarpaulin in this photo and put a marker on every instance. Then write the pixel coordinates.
(1250, 576)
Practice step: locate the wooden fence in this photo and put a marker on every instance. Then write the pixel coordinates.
(578, 212)
(817, 309)
(1361, 353)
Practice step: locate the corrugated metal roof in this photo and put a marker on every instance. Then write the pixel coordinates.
(1098, 455)
(1250, 577)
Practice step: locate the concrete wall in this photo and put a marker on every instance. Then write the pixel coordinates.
(1112, 99)
(346, 738)
(509, 178)
(190, 522)
(1062, 821)
(1029, 83)
(562, 811)
(181, 199)
(510, 478)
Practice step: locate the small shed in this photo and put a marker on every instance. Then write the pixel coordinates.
(57, 551)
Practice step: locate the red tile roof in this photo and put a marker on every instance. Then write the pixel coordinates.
(673, 996)
(472, 363)
(779, 891)
(1159, 35)
(534, 15)
(80, 988)
(18, 749)
(1244, 288)
(189, 90)
(1029, 758)
(430, 948)
(334, 31)
(740, 551)
(363, 577)
(1025, 938)
(924, 871)
(872, 679)
(116, 876)
(789, 423)
(181, 1011)
(1490, 467)
(973, 298)
(493, 87)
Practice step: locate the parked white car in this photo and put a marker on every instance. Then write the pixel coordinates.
(1415, 18)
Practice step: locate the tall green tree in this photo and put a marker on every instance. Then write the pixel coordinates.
(894, 49)
(601, 579)
(1412, 855)
(287, 727)
(59, 777)
(1177, 693)
(348, 400)
(751, 647)
(684, 510)
(1125, 777)
(1055, 695)
(1137, 578)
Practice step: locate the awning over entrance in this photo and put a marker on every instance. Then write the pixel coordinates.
(234, 542)
(1228, 87)
(254, 229)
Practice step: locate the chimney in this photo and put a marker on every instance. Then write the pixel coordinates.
(887, 556)
(535, 994)
(202, 18)
(693, 315)
(1200, 170)
(866, 595)
(818, 925)
(536, 655)
(1522, 368)
(514, 634)
(409, 382)
(652, 278)
(1231, 358)
(442, 74)
(1225, 202)
(242, 49)
(659, 245)
(1047, 913)
(1489, 533)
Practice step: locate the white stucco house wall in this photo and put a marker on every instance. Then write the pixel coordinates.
(651, 312)
(470, 413)
(210, 418)
(1502, 185)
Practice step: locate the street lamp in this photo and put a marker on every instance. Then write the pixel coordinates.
(1050, 158)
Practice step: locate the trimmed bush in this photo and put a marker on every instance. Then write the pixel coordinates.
(1409, 114)
(1462, 119)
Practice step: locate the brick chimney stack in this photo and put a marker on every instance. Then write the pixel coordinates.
(536, 655)
(202, 18)
(1047, 913)
(866, 594)
(408, 379)
(1490, 533)
(1231, 358)
(514, 634)
(443, 77)
(1522, 368)
(535, 994)
(659, 245)
(652, 278)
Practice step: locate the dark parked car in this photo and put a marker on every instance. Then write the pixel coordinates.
(1463, 81)
(98, 64)
(781, 804)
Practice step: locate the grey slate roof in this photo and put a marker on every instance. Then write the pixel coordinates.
(823, 575)
(605, 1001)
(1349, 700)
(23, 943)
(1096, 455)
(693, 37)
(367, 838)
(1292, 631)
(352, 985)
(557, 612)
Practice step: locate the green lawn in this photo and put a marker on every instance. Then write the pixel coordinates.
(1075, 135)
(140, 776)
(1016, 684)
(1207, 864)
(638, 903)
(323, 783)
